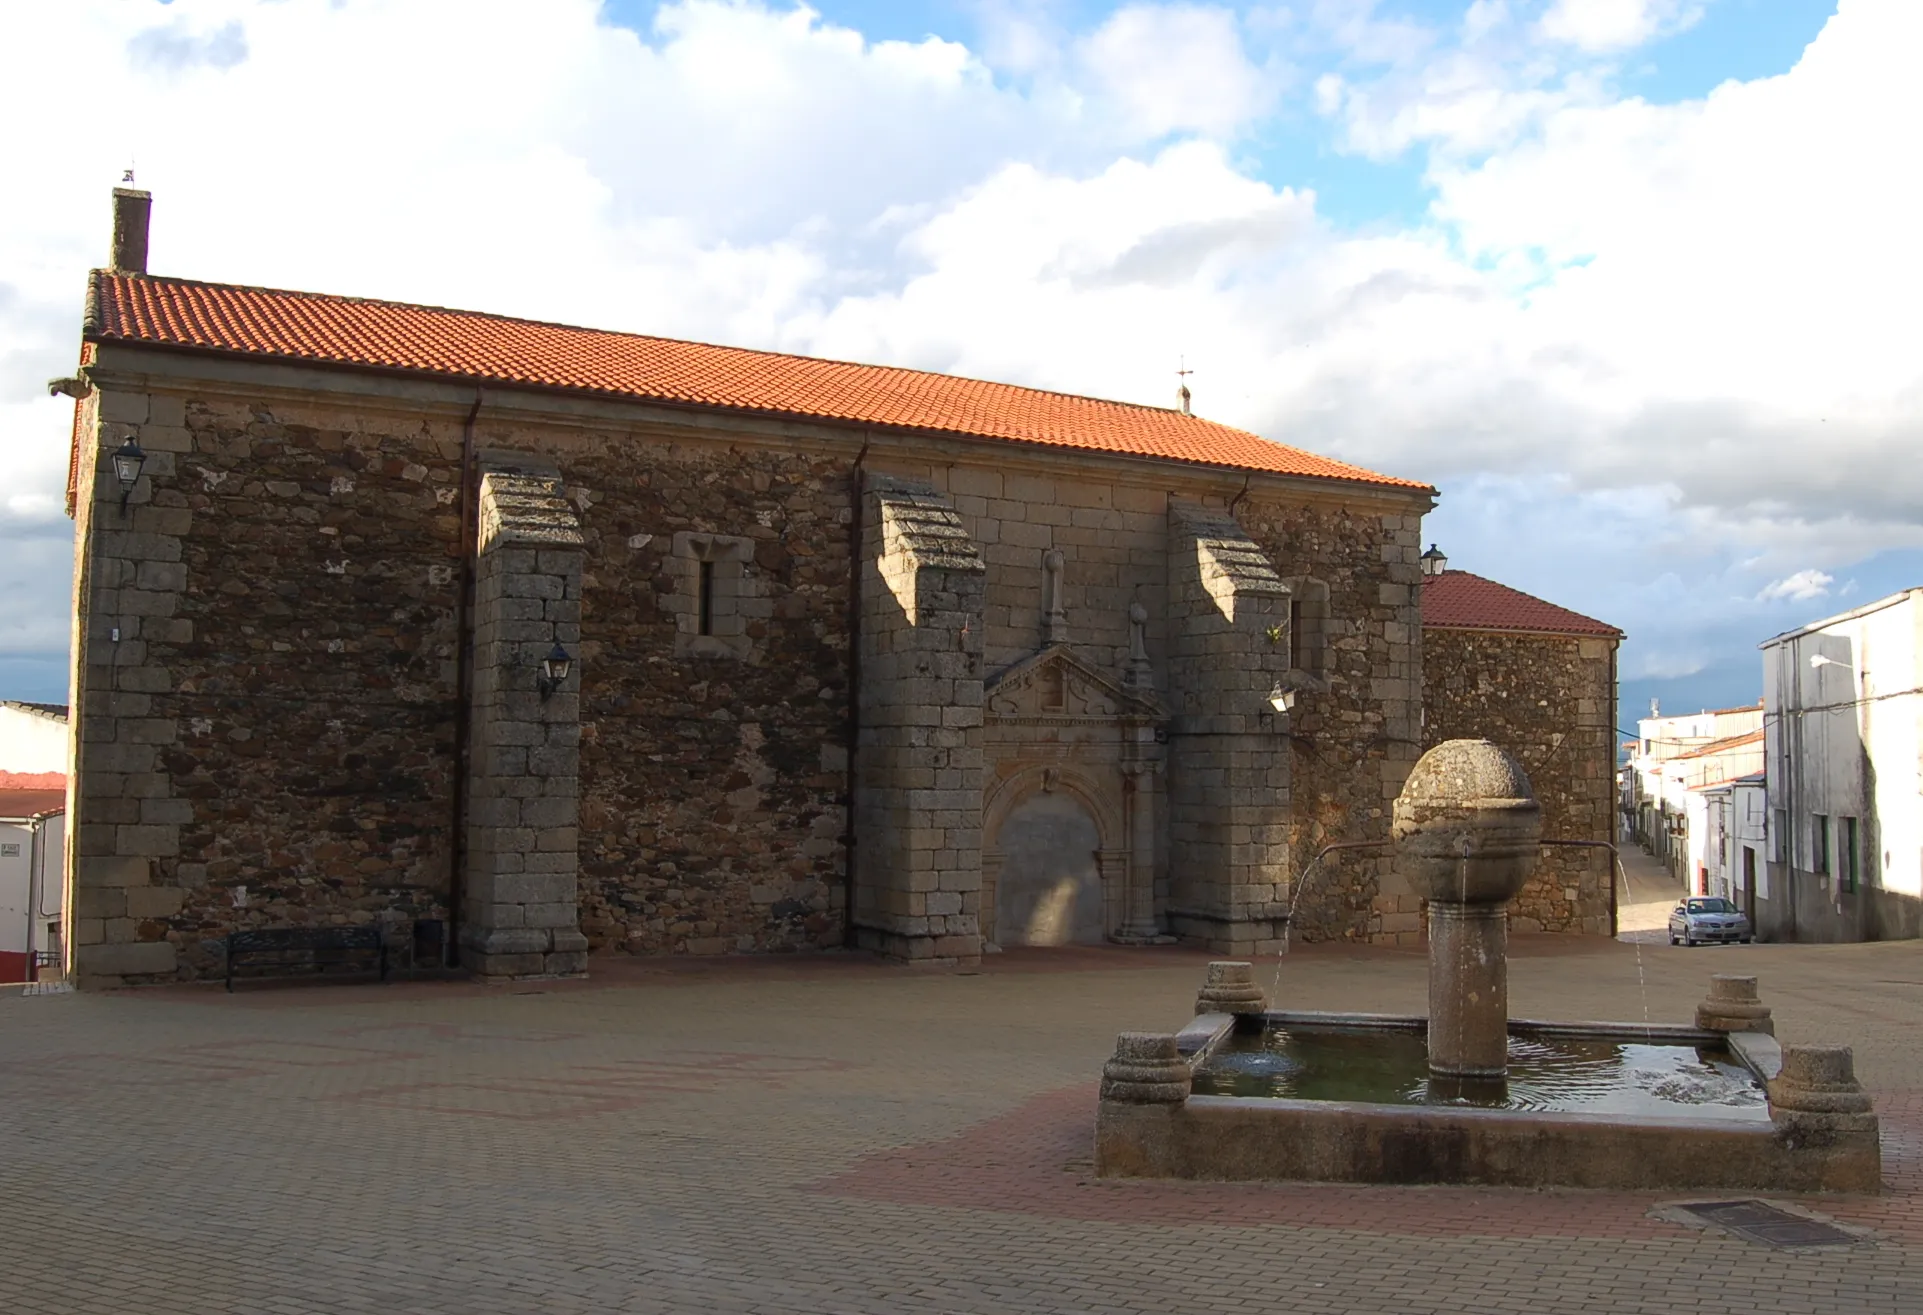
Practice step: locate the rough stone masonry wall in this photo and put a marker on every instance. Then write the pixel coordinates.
(1355, 729)
(269, 740)
(714, 784)
(279, 715)
(918, 817)
(1548, 700)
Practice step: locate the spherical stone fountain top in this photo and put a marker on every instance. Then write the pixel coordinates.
(1467, 825)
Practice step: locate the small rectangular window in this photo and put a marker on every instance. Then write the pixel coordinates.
(1309, 626)
(704, 601)
(1779, 835)
(1819, 843)
(1846, 856)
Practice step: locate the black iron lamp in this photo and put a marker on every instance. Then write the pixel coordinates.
(128, 460)
(554, 669)
(1434, 562)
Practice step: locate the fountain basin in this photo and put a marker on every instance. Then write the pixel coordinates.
(1552, 1068)
(1242, 1138)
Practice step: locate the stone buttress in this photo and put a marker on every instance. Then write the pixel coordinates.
(918, 806)
(519, 915)
(1229, 755)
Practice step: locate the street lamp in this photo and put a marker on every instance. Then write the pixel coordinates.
(1818, 661)
(128, 459)
(554, 670)
(1434, 562)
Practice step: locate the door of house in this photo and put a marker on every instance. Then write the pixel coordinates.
(1749, 884)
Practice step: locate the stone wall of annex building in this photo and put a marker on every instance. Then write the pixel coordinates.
(1356, 723)
(1549, 700)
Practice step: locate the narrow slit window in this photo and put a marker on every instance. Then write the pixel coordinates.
(1847, 854)
(704, 600)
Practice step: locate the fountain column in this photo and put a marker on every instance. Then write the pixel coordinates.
(1467, 832)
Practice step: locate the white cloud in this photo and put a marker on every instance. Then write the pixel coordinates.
(1798, 588)
(1176, 68)
(1603, 26)
(1703, 311)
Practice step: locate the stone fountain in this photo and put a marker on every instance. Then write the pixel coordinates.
(1249, 1092)
(1467, 831)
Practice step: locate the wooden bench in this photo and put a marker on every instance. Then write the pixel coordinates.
(284, 945)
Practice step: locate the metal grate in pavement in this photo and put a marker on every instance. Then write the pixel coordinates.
(1759, 1221)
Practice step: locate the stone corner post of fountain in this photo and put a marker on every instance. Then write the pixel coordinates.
(1733, 1005)
(1145, 1086)
(1822, 1114)
(1467, 832)
(1230, 988)
(1146, 1069)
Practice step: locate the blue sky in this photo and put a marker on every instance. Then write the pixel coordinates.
(1629, 280)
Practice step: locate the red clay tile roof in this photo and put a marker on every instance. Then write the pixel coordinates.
(33, 781)
(389, 335)
(31, 803)
(1462, 600)
(1721, 746)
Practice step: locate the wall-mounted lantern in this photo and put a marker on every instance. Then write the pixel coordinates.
(128, 460)
(554, 670)
(1434, 562)
(1282, 700)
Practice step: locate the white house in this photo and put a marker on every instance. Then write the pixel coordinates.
(33, 741)
(33, 804)
(1844, 724)
(1673, 755)
(1736, 843)
(32, 841)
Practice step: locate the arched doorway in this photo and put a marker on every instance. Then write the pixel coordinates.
(1049, 890)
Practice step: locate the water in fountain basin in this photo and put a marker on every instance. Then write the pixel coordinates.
(1391, 1067)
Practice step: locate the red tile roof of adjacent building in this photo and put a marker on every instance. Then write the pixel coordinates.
(349, 331)
(1462, 600)
(33, 781)
(31, 803)
(1721, 746)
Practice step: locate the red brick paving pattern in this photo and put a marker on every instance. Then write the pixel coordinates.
(1036, 1160)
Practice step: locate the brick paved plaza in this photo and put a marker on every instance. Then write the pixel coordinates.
(831, 1135)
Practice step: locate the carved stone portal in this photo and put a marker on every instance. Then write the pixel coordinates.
(1068, 825)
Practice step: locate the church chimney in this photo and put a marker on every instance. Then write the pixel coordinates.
(131, 208)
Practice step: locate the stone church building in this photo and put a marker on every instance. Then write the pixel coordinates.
(576, 641)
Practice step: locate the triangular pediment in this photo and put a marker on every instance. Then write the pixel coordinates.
(1055, 684)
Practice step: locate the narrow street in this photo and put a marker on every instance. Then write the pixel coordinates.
(1646, 895)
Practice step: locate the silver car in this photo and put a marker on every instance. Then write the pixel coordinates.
(1703, 918)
